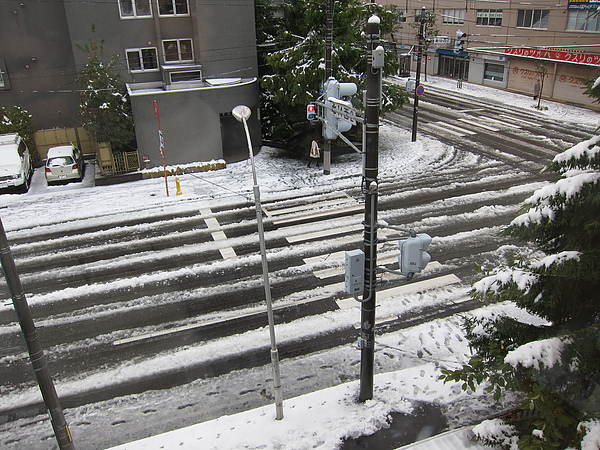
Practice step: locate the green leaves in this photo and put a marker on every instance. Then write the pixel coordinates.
(105, 110)
(556, 291)
(292, 58)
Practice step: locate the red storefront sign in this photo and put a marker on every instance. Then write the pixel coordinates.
(556, 55)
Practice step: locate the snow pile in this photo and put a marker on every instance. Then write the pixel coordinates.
(522, 279)
(535, 354)
(591, 430)
(495, 430)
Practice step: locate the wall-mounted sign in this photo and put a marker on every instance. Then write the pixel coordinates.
(587, 59)
(583, 4)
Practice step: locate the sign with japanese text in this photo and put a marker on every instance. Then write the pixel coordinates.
(556, 55)
(584, 4)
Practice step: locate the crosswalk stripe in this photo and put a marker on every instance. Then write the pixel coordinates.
(318, 214)
(444, 129)
(502, 123)
(457, 128)
(477, 124)
(217, 234)
(405, 289)
(270, 212)
(519, 120)
(322, 233)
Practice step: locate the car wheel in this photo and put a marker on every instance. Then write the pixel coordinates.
(25, 186)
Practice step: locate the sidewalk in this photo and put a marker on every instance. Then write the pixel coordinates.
(331, 418)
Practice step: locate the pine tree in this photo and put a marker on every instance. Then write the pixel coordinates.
(295, 58)
(551, 352)
(105, 110)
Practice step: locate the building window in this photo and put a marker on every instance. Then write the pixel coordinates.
(489, 17)
(533, 18)
(453, 16)
(2, 85)
(583, 20)
(178, 50)
(173, 7)
(135, 8)
(142, 59)
(190, 75)
(402, 14)
(494, 72)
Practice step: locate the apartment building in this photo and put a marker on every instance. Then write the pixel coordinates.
(195, 58)
(509, 44)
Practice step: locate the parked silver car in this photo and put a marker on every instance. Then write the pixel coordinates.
(64, 163)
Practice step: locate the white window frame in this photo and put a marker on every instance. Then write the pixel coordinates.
(580, 20)
(453, 16)
(542, 19)
(489, 14)
(134, 4)
(179, 59)
(141, 59)
(174, 4)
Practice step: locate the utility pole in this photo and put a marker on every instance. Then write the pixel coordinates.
(369, 187)
(32, 340)
(328, 74)
(421, 38)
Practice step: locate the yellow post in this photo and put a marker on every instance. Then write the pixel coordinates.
(178, 186)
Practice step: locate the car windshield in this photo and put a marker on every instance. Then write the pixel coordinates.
(60, 161)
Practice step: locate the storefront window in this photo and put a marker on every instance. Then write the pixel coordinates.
(494, 72)
(583, 20)
(453, 67)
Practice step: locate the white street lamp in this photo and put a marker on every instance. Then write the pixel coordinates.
(242, 113)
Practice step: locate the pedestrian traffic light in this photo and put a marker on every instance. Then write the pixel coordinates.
(459, 42)
(311, 112)
(413, 256)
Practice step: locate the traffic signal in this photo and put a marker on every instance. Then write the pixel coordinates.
(413, 256)
(311, 112)
(345, 90)
(330, 89)
(336, 90)
(459, 42)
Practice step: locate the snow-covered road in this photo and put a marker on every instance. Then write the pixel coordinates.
(461, 198)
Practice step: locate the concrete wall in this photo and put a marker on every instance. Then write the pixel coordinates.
(39, 51)
(192, 122)
(36, 55)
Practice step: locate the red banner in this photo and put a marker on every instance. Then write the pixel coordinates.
(588, 59)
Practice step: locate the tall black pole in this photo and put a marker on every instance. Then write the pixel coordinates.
(369, 187)
(32, 340)
(421, 38)
(328, 74)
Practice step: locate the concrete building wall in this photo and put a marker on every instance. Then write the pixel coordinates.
(488, 62)
(195, 122)
(37, 62)
(40, 59)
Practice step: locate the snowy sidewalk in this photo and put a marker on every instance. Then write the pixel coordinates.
(322, 419)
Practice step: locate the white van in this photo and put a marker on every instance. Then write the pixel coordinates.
(16, 168)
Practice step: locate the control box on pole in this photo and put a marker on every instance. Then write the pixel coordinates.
(355, 271)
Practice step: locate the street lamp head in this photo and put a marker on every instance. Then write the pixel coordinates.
(241, 113)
